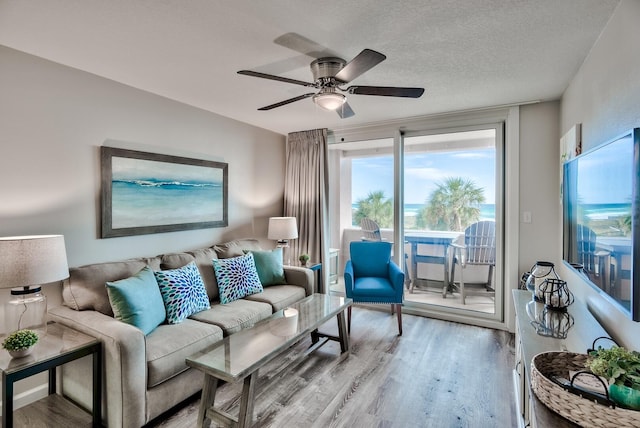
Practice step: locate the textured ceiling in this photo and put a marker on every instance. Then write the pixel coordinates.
(466, 53)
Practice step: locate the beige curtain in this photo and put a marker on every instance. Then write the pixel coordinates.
(305, 195)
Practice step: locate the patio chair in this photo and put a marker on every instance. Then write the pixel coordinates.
(370, 230)
(477, 249)
(370, 276)
(596, 262)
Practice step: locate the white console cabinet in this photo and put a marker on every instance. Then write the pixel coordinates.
(532, 412)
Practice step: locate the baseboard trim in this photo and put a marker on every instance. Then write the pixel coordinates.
(29, 396)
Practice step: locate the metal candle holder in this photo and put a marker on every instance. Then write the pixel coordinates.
(540, 271)
(552, 323)
(555, 294)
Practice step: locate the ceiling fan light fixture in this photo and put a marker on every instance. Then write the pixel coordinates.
(329, 100)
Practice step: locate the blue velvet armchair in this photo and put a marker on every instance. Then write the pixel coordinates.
(370, 276)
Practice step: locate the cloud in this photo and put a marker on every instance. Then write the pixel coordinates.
(473, 155)
(432, 174)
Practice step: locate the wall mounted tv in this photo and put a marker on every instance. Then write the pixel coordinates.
(601, 221)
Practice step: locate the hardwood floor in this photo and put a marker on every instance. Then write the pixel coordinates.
(438, 374)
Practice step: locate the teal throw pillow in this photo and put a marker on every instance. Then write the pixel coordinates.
(237, 277)
(183, 292)
(269, 266)
(137, 300)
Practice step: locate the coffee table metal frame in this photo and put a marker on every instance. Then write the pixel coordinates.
(240, 355)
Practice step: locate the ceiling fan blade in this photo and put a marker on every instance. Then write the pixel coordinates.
(285, 102)
(300, 43)
(345, 111)
(276, 78)
(364, 61)
(386, 91)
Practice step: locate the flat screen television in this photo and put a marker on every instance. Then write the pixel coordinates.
(601, 222)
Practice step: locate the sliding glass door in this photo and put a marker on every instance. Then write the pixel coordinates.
(438, 184)
(452, 202)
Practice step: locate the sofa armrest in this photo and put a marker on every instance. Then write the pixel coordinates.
(124, 356)
(296, 275)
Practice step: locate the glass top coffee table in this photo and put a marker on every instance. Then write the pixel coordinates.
(240, 355)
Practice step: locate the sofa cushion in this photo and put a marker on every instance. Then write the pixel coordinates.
(269, 266)
(237, 277)
(182, 291)
(169, 345)
(236, 248)
(279, 296)
(202, 257)
(85, 289)
(137, 300)
(175, 260)
(234, 316)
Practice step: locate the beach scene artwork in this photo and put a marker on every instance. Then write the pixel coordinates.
(150, 196)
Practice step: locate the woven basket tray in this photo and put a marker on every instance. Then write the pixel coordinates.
(584, 412)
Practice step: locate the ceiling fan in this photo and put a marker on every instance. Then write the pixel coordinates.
(330, 74)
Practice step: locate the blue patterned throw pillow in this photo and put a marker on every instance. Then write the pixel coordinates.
(237, 277)
(182, 291)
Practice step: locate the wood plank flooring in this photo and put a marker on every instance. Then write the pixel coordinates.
(52, 411)
(438, 374)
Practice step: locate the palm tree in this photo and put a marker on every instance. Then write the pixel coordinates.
(376, 207)
(454, 205)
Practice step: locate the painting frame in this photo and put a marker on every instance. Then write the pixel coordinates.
(571, 144)
(137, 187)
(570, 147)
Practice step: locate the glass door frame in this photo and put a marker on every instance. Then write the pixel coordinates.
(498, 127)
(509, 116)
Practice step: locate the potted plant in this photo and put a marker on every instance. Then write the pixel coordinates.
(20, 343)
(622, 369)
(304, 258)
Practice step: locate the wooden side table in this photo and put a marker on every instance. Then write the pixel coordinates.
(60, 345)
(334, 261)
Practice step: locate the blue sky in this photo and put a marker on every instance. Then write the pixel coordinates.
(423, 171)
(605, 175)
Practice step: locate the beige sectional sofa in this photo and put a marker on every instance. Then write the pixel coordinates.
(145, 376)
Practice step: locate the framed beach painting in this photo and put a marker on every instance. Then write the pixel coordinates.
(152, 193)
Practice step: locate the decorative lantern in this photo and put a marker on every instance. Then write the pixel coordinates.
(555, 294)
(550, 323)
(539, 272)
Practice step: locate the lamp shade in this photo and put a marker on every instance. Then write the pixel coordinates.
(329, 100)
(32, 260)
(282, 228)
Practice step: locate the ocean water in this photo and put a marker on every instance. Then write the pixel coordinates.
(487, 211)
(605, 211)
(148, 202)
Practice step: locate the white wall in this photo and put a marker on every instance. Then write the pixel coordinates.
(53, 119)
(604, 97)
(539, 184)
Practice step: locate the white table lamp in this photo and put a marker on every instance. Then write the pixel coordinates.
(27, 263)
(282, 229)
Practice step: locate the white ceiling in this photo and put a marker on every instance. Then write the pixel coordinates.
(466, 53)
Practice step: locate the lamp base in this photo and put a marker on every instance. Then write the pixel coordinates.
(27, 309)
(284, 244)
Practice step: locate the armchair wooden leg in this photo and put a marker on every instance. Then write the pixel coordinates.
(349, 319)
(399, 309)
